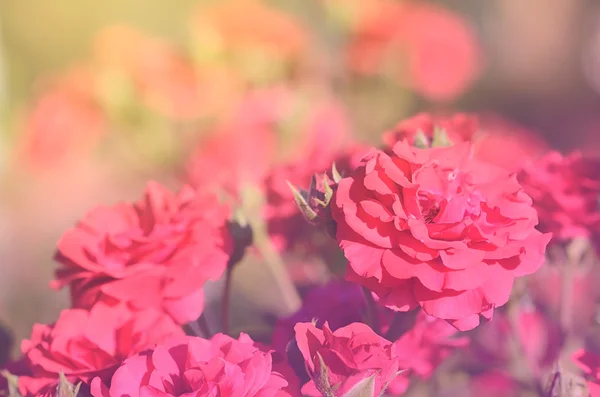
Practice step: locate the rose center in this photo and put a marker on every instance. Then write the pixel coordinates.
(430, 206)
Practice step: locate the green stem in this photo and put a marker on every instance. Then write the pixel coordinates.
(198, 328)
(289, 294)
(401, 323)
(372, 315)
(225, 301)
(252, 205)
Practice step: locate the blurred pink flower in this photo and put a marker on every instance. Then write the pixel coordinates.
(495, 140)
(424, 46)
(63, 125)
(539, 339)
(545, 288)
(589, 362)
(423, 348)
(565, 191)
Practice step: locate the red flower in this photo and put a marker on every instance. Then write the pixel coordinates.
(339, 360)
(157, 252)
(460, 127)
(495, 140)
(221, 366)
(438, 229)
(64, 123)
(438, 63)
(90, 344)
(539, 337)
(565, 192)
(546, 289)
(423, 348)
(590, 364)
(338, 303)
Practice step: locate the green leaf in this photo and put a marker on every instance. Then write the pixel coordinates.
(328, 192)
(321, 378)
(440, 138)
(421, 140)
(364, 388)
(384, 388)
(337, 177)
(66, 388)
(13, 383)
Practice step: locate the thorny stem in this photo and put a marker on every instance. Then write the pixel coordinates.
(225, 301)
(371, 313)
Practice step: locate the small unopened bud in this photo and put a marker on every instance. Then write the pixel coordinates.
(314, 202)
(440, 138)
(66, 388)
(420, 140)
(335, 174)
(12, 382)
(242, 235)
(301, 198)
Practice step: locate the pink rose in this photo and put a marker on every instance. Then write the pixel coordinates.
(565, 193)
(90, 344)
(157, 252)
(221, 366)
(338, 303)
(342, 358)
(438, 229)
(495, 140)
(458, 128)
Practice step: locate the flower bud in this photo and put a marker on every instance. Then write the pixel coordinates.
(66, 388)
(314, 202)
(242, 235)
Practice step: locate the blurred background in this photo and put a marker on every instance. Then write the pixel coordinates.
(98, 97)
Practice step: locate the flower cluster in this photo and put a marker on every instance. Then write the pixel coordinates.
(292, 258)
(433, 236)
